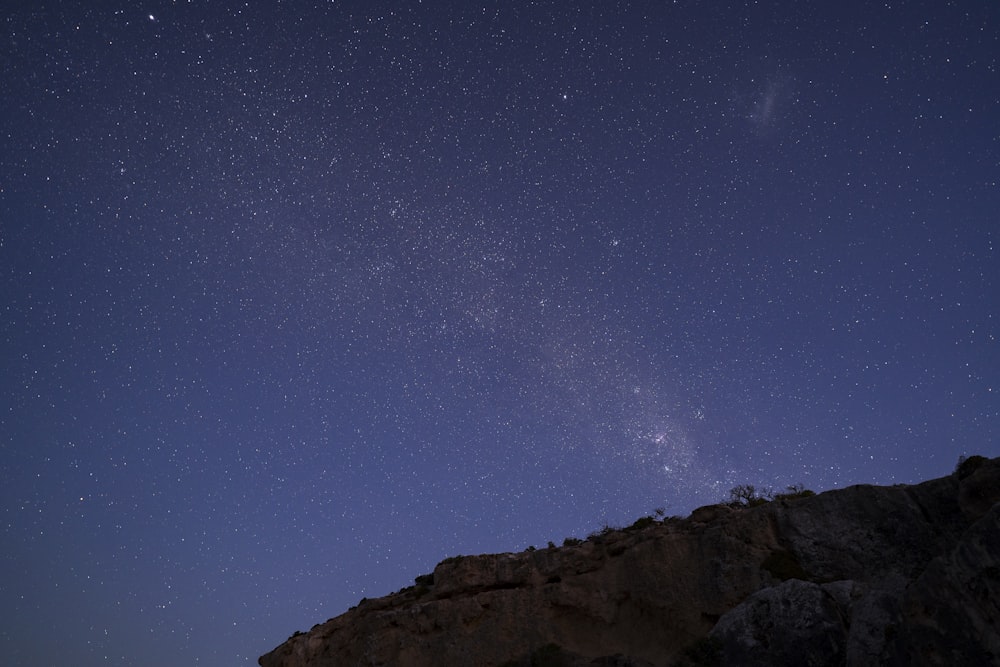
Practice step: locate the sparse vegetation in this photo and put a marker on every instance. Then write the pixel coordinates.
(605, 530)
(642, 522)
(424, 579)
(968, 465)
(572, 541)
(794, 492)
(747, 495)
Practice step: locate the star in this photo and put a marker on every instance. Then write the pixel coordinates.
(324, 293)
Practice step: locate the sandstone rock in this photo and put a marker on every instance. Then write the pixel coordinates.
(710, 513)
(794, 623)
(860, 576)
(951, 612)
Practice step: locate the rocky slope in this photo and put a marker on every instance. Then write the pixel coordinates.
(903, 575)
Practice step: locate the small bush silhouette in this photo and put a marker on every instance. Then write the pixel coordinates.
(642, 522)
(572, 542)
(606, 529)
(794, 492)
(968, 465)
(747, 495)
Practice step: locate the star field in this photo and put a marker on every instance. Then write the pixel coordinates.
(298, 299)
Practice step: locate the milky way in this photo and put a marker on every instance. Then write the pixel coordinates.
(299, 300)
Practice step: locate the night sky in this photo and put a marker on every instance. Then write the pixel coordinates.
(298, 299)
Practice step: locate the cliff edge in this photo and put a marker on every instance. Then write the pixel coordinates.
(866, 575)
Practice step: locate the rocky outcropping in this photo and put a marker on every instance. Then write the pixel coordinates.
(903, 575)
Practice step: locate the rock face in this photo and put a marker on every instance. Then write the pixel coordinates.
(904, 575)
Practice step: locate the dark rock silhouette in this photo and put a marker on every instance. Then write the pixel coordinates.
(867, 575)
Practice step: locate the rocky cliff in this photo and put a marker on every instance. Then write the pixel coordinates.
(903, 575)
